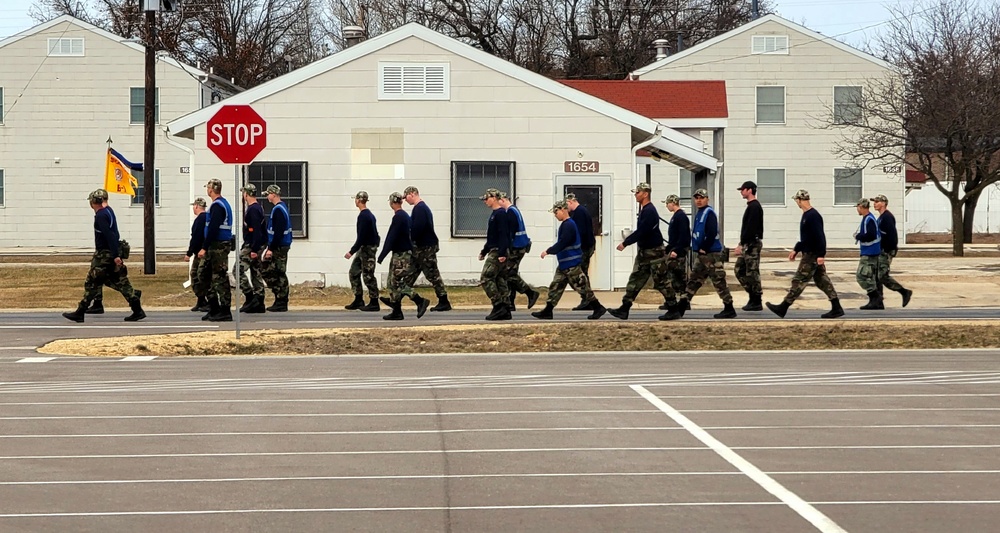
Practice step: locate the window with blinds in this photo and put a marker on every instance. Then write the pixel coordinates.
(414, 81)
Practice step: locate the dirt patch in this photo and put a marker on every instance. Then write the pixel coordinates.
(551, 337)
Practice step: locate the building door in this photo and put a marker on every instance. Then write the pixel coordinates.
(594, 192)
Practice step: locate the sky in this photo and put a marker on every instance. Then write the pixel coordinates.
(854, 22)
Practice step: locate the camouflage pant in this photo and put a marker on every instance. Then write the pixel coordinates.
(199, 288)
(249, 267)
(402, 274)
(103, 271)
(884, 279)
(810, 270)
(748, 268)
(649, 262)
(273, 272)
(425, 261)
(585, 265)
(213, 275)
(676, 277)
(494, 279)
(513, 269)
(709, 266)
(363, 267)
(576, 278)
(867, 274)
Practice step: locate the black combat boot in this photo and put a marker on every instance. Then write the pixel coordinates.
(396, 311)
(544, 314)
(372, 306)
(532, 297)
(255, 305)
(621, 312)
(780, 309)
(358, 303)
(422, 304)
(495, 311)
(583, 306)
(727, 311)
(443, 304)
(247, 300)
(907, 293)
(597, 308)
(510, 301)
(280, 305)
(754, 303)
(676, 312)
(500, 312)
(136, 306)
(81, 309)
(836, 311)
(667, 304)
(874, 302)
(201, 305)
(96, 307)
(385, 301)
(213, 308)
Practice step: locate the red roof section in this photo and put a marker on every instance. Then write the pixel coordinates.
(915, 176)
(660, 99)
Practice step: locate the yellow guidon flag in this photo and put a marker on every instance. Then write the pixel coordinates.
(118, 178)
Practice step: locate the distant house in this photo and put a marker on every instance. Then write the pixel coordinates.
(929, 211)
(782, 82)
(414, 107)
(66, 86)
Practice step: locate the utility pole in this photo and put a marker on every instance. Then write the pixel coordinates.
(149, 153)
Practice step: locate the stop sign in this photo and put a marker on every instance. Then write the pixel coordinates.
(236, 134)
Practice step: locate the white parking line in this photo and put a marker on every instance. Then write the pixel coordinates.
(329, 415)
(797, 504)
(35, 360)
(317, 433)
(138, 358)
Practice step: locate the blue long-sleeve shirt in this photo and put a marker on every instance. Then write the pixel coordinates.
(585, 225)
(705, 237)
(217, 215)
(367, 232)
(887, 225)
(647, 229)
(197, 234)
(422, 226)
(812, 238)
(397, 240)
(106, 235)
(679, 233)
(253, 227)
(497, 235)
(567, 246)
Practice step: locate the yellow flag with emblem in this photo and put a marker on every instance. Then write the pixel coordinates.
(118, 178)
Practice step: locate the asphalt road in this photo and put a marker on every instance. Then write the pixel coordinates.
(778, 442)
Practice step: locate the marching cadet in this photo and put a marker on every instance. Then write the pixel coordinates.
(748, 250)
(588, 243)
(870, 240)
(678, 246)
(812, 266)
(650, 259)
(106, 265)
(494, 253)
(520, 245)
(890, 245)
(214, 254)
(364, 250)
(279, 241)
(425, 246)
(568, 251)
(197, 236)
(402, 273)
(254, 241)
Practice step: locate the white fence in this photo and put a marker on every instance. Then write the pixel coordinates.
(928, 211)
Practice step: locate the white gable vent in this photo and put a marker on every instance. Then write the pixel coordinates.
(414, 81)
(66, 46)
(770, 44)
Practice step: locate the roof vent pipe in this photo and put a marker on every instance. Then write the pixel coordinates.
(662, 48)
(353, 35)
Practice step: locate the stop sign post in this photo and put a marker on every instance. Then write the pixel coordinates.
(236, 135)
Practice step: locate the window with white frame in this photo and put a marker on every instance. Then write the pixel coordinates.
(469, 180)
(846, 104)
(291, 177)
(140, 191)
(414, 81)
(66, 46)
(685, 187)
(771, 186)
(3, 200)
(771, 104)
(769, 44)
(847, 186)
(137, 105)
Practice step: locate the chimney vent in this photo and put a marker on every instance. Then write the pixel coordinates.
(353, 35)
(662, 50)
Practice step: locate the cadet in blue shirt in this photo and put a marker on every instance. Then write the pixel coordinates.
(588, 243)
(569, 270)
(279, 241)
(254, 242)
(197, 236)
(870, 240)
(494, 254)
(214, 254)
(649, 261)
(519, 246)
(402, 273)
(890, 245)
(425, 246)
(678, 247)
(364, 250)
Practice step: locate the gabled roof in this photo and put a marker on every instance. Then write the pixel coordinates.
(661, 99)
(685, 146)
(103, 33)
(751, 25)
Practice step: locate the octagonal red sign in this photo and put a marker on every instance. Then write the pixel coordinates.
(236, 134)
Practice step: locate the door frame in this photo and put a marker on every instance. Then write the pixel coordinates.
(603, 279)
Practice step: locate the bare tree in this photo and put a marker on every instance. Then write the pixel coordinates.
(939, 112)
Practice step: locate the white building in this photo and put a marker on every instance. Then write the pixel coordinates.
(782, 81)
(414, 107)
(66, 86)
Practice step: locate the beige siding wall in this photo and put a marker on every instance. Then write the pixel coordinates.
(490, 117)
(68, 109)
(809, 73)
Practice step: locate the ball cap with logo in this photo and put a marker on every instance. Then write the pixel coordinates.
(99, 194)
(250, 189)
(801, 194)
(880, 198)
(395, 198)
(200, 202)
(362, 195)
(561, 204)
(273, 189)
(642, 187)
(673, 199)
(490, 193)
(863, 203)
(700, 193)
